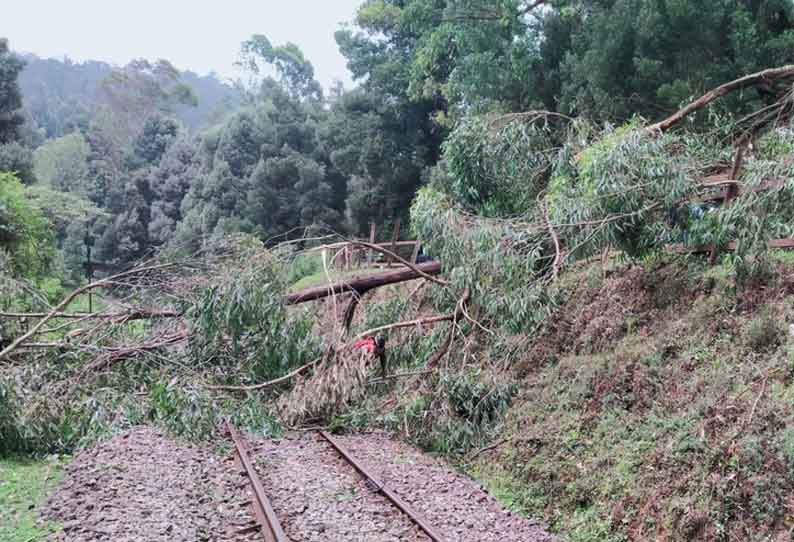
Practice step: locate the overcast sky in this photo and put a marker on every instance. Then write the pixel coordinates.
(200, 35)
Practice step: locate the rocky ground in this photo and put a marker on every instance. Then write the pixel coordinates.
(318, 494)
(457, 505)
(142, 486)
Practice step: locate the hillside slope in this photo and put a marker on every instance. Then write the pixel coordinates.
(656, 406)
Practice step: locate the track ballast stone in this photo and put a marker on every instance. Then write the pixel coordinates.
(319, 496)
(143, 487)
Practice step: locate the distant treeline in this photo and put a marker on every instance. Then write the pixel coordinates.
(149, 155)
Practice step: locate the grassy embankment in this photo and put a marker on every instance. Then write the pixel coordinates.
(24, 485)
(657, 405)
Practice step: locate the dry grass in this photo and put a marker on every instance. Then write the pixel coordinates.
(335, 384)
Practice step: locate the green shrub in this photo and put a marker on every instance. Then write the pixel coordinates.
(763, 333)
(186, 412)
(498, 166)
(24, 232)
(241, 321)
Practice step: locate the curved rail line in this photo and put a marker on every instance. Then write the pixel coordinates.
(380, 487)
(263, 510)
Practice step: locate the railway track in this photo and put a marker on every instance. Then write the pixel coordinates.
(267, 518)
(262, 507)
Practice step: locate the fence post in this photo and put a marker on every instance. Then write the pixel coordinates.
(394, 236)
(732, 189)
(371, 242)
(415, 255)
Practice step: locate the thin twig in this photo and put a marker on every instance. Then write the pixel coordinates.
(270, 383)
(399, 375)
(69, 298)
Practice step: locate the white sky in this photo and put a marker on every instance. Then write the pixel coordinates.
(199, 35)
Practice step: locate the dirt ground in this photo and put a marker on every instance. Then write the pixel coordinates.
(143, 486)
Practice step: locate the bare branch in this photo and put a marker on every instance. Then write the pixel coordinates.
(270, 383)
(784, 72)
(69, 298)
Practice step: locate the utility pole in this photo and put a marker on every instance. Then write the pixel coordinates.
(89, 266)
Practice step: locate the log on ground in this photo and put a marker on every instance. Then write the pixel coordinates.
(360, 285)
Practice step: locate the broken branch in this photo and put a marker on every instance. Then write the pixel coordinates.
(270, 383)
(754, 79)
(69, 298)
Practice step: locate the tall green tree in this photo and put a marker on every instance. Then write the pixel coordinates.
(11, 117)
(143, 89)
(25, 234)
(383, 149)
(295, 72)
(606, 59)
(169, 182)
(63, 164)
(645, 57)
(267, 171)
(14, 155)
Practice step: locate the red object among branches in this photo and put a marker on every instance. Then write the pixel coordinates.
(368, 345)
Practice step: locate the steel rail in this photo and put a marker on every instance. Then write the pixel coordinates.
(263, 510)
(388, 493)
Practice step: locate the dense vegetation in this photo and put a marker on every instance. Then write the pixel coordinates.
(516, 139)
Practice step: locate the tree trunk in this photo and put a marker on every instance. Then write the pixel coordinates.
(361, 285)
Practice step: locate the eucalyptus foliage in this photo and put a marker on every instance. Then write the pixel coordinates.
(240, 320)
(501, 262)
(499, 165)
(616, 192)
(757, 216)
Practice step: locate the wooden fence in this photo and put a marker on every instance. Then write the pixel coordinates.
(347, 256)
(730, 189)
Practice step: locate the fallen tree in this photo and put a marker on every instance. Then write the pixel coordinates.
(763, 78)
(59, 309)
(360, 285)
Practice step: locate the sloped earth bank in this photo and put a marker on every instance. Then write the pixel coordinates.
(142, 486)
(657, 405)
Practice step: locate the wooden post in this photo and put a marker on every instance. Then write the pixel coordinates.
(732, 189)
(371, 242)
(415, 255)
(394, 238)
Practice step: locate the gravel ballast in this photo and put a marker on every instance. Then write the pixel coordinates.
(142, 486)
(455, 504)
(316, 492)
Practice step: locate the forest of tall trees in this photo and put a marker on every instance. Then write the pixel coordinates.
(149, 155)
